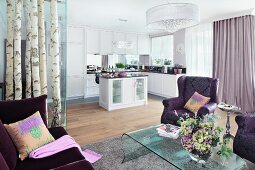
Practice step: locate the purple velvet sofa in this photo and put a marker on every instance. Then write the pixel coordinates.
(187, 86)
(12, 111)
(244, 141)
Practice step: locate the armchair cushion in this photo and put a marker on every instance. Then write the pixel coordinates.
(196, 102)
(14, 111)
(29, 134)
(7, 148)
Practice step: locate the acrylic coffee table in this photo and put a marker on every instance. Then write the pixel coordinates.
(144, 141)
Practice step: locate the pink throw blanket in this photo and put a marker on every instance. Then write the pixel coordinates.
(61, 144)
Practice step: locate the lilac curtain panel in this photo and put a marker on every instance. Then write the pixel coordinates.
(234, 61)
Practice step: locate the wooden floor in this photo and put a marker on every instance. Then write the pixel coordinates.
(89, 123)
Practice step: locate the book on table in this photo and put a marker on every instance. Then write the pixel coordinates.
(169, 131)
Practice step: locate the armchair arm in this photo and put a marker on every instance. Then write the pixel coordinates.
(3, 164)
(246, 123)
(206, 109)
(57, 132)
(173, 103)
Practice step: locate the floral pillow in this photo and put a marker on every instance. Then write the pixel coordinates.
(196, 102)
(29, 134)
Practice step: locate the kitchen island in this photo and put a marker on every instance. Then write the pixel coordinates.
(118, 93)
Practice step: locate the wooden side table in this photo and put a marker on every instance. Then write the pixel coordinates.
(2, 86)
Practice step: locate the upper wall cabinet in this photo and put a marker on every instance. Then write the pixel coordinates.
(132, 38)
(75, 35)
(106, 39)
(93, 41)
(144, 45)
(119, 36)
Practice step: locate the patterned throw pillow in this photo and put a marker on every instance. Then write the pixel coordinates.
(29, 134)
(196, 102)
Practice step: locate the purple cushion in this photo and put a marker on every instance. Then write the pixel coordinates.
(13, 111)
(7, 148)
(3, 165)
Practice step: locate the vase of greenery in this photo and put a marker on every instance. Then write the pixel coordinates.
(199, 136)
(120, 66)
(224, 152)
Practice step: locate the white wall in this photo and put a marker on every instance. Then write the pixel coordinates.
(179, 40)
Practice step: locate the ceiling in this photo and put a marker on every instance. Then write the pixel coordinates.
(106, 13)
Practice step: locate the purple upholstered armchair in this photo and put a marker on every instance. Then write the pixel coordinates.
(13, 111)
(187, 86)
(244, 141)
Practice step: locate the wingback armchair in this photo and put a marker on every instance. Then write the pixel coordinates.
(187, 86)
(13, 111)
(244, 141)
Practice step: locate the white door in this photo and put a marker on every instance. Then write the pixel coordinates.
(140, 89)
(128, 90)
(116, 91)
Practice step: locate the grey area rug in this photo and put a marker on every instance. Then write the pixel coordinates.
(113, 155)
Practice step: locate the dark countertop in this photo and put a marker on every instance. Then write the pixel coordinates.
(143, 71)
(125, 77)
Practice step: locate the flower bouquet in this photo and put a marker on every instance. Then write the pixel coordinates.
(199, 136)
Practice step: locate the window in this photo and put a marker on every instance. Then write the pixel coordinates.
(132, 59)
(199, 50)
(162, 50)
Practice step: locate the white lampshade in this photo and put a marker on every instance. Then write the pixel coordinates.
(173, 16)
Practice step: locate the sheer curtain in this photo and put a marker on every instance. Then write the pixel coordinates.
(199, 50)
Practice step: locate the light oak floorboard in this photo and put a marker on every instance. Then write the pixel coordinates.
(89, 123)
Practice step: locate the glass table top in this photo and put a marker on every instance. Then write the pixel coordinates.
(144, 141)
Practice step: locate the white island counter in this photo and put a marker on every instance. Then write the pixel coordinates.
(117, 93)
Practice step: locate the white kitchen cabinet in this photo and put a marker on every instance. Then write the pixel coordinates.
(119, 36)
(170, 88)
(157, 83)
(132, 38)
(144, 45)
(106, 40)
(75, 87)
(164, 85)
(120, 93)
(92, 88)
(93, 41)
